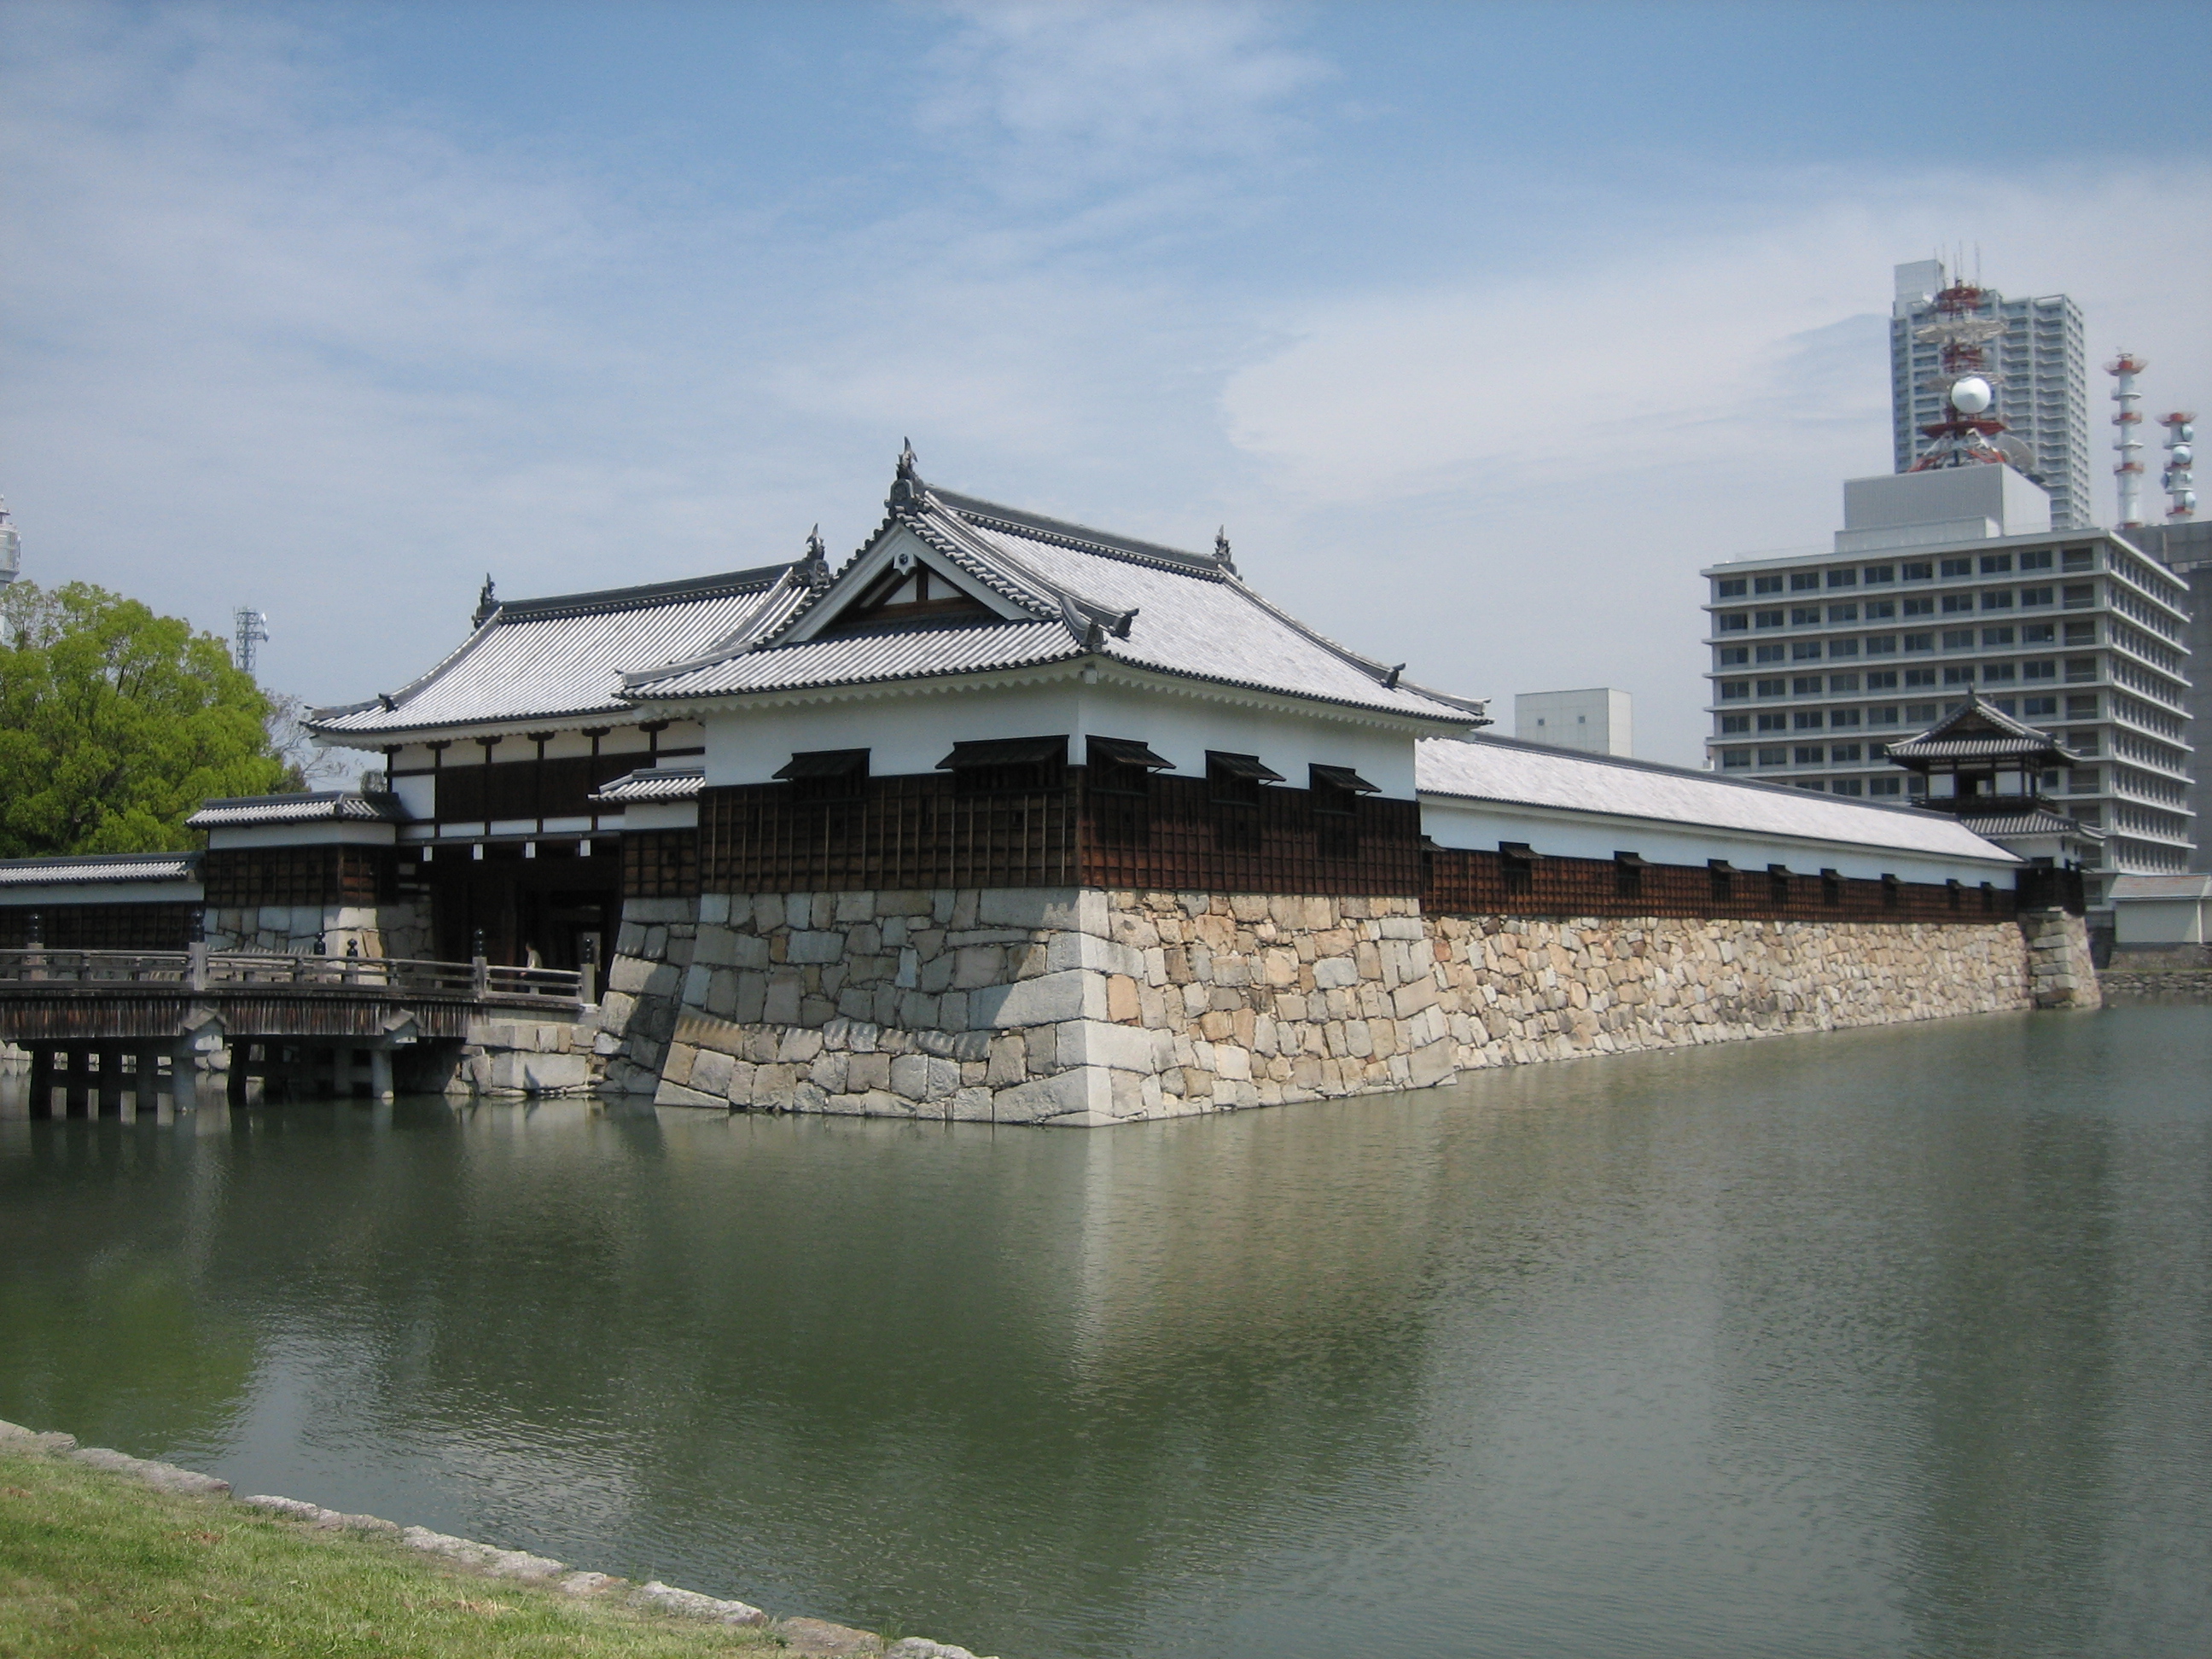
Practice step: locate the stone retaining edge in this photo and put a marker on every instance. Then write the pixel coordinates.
(813, 1635)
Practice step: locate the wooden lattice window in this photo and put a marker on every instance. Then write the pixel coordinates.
(1334, 792)
(1120, 771)
(1722, 876)
(1007, 766)
(1628, 875)
(1516, 864)
(1233, 783)
(660, 863)
(822, 775)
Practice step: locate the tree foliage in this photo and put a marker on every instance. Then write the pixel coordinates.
(115, 724)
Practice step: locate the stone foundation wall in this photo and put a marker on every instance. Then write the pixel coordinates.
(2163, 985)
(532, 1057)
(640, 998)
(402, 931)
(2062, 970)
(2159, 958)
(1081, 1007)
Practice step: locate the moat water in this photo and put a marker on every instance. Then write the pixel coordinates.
(1880, 1342)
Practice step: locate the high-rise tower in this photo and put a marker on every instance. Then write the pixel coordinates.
(2037, 369)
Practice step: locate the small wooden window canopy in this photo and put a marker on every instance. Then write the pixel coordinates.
(1342, 777)
(1004, 751)
(825, 763)
(1125, 751)
(1250, 768)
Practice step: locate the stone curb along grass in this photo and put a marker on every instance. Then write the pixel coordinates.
(800, 1635)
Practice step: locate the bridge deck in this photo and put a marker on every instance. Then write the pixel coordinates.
(94, 996)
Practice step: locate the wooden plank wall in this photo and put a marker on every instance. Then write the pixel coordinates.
(1464, 882)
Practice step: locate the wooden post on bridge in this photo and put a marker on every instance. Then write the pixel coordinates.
(184, 1077)
(146, 1095)
(42, 1080)
(111, 1080)
(75, 1081)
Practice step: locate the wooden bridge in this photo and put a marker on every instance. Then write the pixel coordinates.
(101, 1025)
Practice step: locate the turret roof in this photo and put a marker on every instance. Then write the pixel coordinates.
(561, 659)
(1062, 591)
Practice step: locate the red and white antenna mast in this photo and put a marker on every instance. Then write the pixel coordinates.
(1968, 435)
(2180, 479)
(2128, 472)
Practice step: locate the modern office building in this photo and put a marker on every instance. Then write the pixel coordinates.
(2184, 547)
(1940, 583)
(2038, 367)
(1596, 721)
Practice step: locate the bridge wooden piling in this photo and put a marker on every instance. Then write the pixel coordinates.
(100, 1025)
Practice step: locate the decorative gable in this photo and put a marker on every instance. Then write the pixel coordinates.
(901, 582)
(904, 598)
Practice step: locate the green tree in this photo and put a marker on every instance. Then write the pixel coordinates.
(115, 724)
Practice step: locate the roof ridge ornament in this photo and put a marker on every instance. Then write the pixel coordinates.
(1221, 550)
(814, 568)
(907, 487)
(486, 603)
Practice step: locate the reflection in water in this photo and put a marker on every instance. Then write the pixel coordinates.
(1880, 1342)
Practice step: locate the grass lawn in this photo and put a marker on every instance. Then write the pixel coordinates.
(91, 1563)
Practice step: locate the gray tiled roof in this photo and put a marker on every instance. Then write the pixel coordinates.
(1977, 748)
(563, 658)
(652, 783)
(1505, 769)
(230, 812)
(1086, 593)
(1977, 730)
(2035, 821)
(107, 866)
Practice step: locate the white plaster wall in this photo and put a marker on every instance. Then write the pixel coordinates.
(47, 895)
(336, 832)
(912, 733)
(661, 815)
(418, 795)
(1480, 825)
(2158, 922)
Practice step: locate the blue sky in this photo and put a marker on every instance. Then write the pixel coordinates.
(1480, 327)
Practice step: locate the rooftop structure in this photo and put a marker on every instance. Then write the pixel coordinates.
(11, 547)
(1597, 720)
(2031, 359)
(953, 586)
(1987, 768)
(1940, 585)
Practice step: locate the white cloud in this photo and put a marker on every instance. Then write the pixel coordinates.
(274, 343)
(1078, 94)
(1703, 348)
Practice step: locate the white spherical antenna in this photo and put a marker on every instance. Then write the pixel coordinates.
(1971, 395)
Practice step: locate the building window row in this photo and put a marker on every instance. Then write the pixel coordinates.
(1911, 570)
(1887, 611)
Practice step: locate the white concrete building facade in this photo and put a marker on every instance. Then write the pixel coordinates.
(1820, 658)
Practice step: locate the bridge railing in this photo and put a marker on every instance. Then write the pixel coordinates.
(200, 968)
